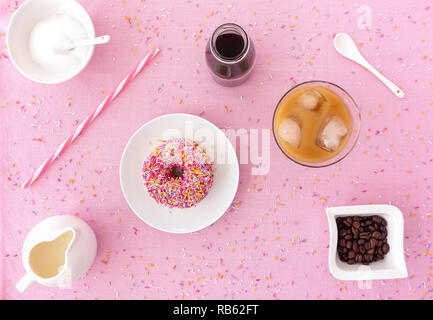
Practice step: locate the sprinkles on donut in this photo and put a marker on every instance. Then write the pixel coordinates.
(178, 173)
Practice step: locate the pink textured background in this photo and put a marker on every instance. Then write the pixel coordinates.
(273, 242)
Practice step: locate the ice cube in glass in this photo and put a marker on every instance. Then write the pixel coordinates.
(332, 133)
(311, 99)
(290, 131)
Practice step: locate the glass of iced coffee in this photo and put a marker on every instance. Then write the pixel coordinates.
(316, 124)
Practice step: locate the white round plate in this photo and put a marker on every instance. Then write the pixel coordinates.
(218, 148)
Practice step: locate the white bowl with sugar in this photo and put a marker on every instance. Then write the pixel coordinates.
(34, 32)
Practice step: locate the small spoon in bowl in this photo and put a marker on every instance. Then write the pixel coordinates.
(67, 45)
(344, 44)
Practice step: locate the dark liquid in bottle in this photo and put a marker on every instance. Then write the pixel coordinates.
(230, 55)
(229, 45)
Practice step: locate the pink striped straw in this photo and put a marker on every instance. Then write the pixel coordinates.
(91, 117)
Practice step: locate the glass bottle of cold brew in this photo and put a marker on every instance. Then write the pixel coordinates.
(230, 55)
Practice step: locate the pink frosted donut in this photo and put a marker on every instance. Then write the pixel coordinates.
(177, 173)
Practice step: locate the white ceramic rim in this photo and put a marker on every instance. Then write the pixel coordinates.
(38, 278)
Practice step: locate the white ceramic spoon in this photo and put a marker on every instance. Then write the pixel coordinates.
(344, 44)
(67, 45)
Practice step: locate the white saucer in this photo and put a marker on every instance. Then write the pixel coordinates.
(217, 146)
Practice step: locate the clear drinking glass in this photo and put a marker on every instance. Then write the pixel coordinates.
(230, 55)
(355, 127)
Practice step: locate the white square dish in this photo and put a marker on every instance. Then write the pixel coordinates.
(392, 266)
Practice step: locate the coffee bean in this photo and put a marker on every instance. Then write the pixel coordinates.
(356, 225)
(367, 245)
(361, 241)
(362, 249)
(348, 237)
(373, 242)
(351, 254)
(365, 235)
(358, 258)
(384, 223)
(385, 248)
(376, 235)
(371, 251)
(368, 222)
(377, 219)
(349, 244)
(355, 247)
